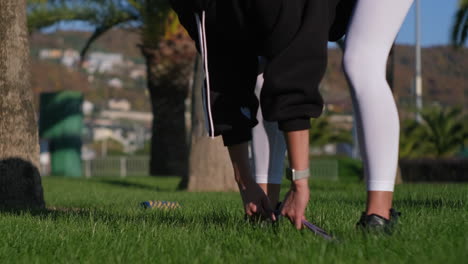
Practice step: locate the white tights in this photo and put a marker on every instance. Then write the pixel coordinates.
(268, 146)
(372, 31)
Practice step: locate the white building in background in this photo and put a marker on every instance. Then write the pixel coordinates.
(50, 54)
(103, 62)
(87, 153)
(115, 83)
(44, 157)
(144, 117)
(138, 73)
(119, 105)
(70, 58)
(101, 133)
(132, 137)
(87, 108)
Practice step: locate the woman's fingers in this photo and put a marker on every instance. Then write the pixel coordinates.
(294, 209)
(298, 221)
(268, 212)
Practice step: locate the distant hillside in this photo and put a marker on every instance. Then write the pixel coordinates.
(445, 75)
(117, 40)
(50, 75)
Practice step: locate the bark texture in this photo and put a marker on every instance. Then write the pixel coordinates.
(20, 181)
(210, 167)
(169, 67)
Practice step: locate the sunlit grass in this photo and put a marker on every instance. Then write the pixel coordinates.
(100, 221)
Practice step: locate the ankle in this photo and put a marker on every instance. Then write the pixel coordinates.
(382, 213)
(379, 203)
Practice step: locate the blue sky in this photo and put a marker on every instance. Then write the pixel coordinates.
(436, 21)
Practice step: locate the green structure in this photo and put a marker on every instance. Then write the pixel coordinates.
(61, 124)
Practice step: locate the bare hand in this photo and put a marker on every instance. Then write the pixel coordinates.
(256, 202)
(295, 203)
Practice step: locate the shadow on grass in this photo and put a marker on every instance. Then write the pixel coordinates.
(127, 184)
(166, 217)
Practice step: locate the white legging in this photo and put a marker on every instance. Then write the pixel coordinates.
(373, 28)
(268, 145)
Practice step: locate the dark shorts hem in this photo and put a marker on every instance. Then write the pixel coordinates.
(294, 124)
(235, 137)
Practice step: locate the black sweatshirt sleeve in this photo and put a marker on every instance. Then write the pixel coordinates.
(232, 70)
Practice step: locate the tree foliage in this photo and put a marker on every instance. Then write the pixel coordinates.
(152, 18)
(322, 132)
(45, 13)
(20, 179)
(168, 60)
(443, 133)
(460, 25)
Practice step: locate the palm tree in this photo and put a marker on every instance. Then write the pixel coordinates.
(444, 130)
(411, 145)
(460, 25)
(209, 166)
(168, 59)
(20, 181)
(323, 133)
(44, 13)
(443, 133)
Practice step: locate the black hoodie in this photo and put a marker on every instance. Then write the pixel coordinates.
(291, 34)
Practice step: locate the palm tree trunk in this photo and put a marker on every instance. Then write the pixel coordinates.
(20, 181)
(169, 149)
(209, 164)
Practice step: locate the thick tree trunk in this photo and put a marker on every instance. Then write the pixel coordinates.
(210, 168)
(169, 68)
(20, 181)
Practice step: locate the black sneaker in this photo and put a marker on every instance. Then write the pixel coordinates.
(378, 223)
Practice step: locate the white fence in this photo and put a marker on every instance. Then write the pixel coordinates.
(116, 166)
(139, 166)
(324, 169)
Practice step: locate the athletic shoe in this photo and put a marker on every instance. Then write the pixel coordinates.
(378, 223)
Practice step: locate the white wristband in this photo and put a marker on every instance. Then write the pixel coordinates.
(294, 175)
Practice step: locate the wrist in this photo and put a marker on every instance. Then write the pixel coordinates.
(244, 181)
(300, 184)
(294, 175)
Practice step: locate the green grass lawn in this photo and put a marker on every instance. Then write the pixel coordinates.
(100, 221)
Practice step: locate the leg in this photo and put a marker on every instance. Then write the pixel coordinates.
(272, 190)
(268, 150)
(370, 36)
